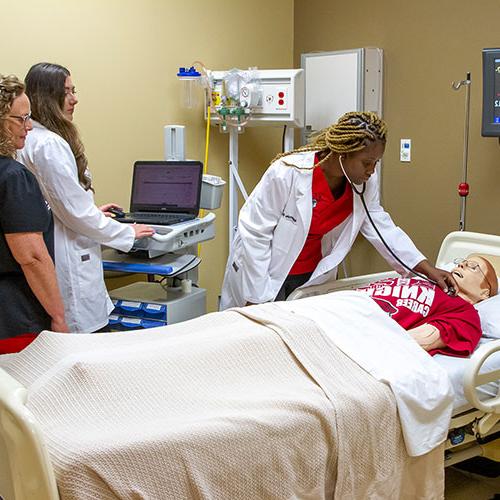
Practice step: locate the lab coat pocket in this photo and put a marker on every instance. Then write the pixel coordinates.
(235, 256)
(91, 277)
(284, 233)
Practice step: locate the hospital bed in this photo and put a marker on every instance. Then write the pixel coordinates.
(475, 425)
(27, 470)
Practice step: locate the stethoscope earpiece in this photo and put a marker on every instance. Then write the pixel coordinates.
(354, 188)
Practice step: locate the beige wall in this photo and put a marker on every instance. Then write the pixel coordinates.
(124, 54)
(427, 45)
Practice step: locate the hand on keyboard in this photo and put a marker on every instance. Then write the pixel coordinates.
(142, 231)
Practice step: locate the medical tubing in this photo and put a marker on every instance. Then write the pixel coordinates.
(387, 246)
(205, 164)
(207, 139)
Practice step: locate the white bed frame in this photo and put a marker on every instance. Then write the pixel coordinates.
(26, 471)
(475, 431)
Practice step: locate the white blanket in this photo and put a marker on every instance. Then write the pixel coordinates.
(218, 408)
(367, 335)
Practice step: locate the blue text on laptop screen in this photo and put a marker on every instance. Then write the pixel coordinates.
(167, 186)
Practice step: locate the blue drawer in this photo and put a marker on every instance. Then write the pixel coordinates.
(124, 323)
(144, 310)
(154, 311)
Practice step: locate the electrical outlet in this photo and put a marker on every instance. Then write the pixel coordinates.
(405, 150)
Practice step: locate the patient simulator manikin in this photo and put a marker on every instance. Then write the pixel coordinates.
(439, 323)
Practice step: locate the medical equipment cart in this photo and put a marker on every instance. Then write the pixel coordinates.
(151, 304)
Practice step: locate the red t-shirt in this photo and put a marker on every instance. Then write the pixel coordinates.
(327, 213)
(413, 301)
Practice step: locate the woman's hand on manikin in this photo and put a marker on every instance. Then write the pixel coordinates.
(443, 279)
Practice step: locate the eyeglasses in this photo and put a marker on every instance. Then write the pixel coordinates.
(473, 266)
(24, 119)
(69, 91)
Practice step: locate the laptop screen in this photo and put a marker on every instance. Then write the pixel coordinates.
(166, 186)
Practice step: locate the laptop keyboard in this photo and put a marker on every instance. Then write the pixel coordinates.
(161, 219)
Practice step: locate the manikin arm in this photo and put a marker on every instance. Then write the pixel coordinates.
(427, 337)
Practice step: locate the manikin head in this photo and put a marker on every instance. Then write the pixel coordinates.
(476, 279)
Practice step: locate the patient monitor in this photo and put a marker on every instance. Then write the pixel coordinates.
(491, 93)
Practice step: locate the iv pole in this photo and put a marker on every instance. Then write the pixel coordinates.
(463, 187)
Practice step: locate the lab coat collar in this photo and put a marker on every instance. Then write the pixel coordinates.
(301, 159)
(38, 124)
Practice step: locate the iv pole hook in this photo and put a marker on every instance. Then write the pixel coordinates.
(463, 187)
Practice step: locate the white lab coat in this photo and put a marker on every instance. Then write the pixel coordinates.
(273, 226)
(79, 230)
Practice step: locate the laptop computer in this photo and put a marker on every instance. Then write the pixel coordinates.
(164, 192)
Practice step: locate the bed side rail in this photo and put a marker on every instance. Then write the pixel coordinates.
(474, 376)
(31, 474)
(338, 285)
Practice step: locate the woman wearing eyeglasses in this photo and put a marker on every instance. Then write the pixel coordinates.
(54, 152)
(29, 295)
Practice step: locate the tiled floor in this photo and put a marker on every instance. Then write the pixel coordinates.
(465, 486)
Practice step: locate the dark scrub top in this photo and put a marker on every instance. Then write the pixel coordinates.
(22, 209)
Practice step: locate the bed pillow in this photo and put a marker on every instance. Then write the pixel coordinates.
(489, 313)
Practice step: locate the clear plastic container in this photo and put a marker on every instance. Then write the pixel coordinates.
(189, 80)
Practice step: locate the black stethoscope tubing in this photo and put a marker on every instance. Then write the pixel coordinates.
(361, 193)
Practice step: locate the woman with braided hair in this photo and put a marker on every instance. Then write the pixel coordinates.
(302, 218)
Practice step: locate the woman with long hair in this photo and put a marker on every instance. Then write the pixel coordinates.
(29, 294)
(55, 154)
(302, 218)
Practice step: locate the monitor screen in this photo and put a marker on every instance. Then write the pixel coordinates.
(166, 185)
(496, 96)
(491, 93)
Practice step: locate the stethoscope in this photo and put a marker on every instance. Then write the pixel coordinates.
(360, 193)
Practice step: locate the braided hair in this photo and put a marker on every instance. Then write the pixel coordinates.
(352, 132)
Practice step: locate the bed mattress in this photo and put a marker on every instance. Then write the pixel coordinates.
(455, 367)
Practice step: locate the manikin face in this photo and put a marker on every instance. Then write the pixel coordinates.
(17, 123)
(70, 99)
(359, 166)
(470, 277)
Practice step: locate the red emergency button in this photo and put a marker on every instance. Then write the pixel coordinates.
(281, 95)
(281, 102)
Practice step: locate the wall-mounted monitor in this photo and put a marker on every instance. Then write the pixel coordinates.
(491, 93)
